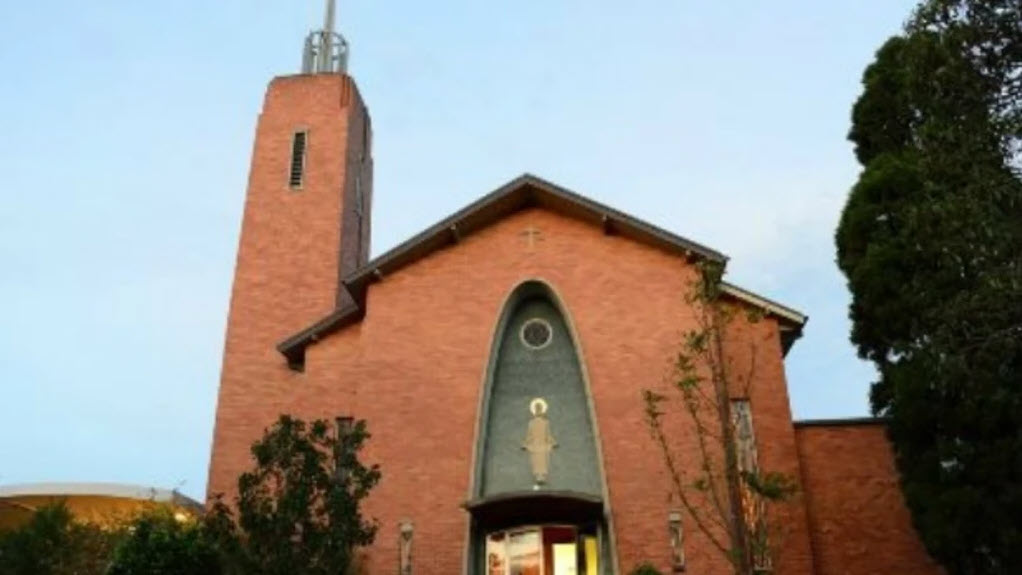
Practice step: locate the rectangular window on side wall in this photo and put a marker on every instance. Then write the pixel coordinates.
(745, 438)
(752, 504)
(296, 173)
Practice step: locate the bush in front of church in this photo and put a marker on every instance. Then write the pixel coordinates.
(299, 509)
(52, 542)
(157, 542)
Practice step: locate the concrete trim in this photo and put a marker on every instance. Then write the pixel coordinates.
(608, 515)
(482, 407)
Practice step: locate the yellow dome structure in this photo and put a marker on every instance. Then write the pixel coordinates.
(97, 503)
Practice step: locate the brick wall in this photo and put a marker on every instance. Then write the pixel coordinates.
(858, 518)
(756, 366)
(289, 255)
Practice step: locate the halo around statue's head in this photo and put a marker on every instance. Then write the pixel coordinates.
(538, 406)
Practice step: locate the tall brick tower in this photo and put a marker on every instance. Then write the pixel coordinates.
(305, 227)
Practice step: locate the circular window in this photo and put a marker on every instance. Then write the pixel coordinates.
(536, 333)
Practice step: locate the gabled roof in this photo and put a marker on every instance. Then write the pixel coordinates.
(526, 191)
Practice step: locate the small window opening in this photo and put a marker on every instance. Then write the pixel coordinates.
(536, 333)
(297, 174)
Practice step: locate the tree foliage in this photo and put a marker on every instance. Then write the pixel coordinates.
(158, 543)
(725, 502)
(988, 35)
(930, 241)
(299, 510)
(53, 543)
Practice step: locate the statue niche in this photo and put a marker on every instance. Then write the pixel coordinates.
(536, 427)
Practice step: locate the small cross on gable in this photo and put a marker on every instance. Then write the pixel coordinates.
(532, 235)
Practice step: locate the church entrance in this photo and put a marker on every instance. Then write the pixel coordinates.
(542, 550)
(538, 533)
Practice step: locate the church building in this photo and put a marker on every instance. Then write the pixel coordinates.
(499, 359)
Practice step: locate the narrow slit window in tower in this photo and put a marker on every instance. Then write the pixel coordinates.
(296, 176)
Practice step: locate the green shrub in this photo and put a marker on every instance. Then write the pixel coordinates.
(53, 543)
(159, 544)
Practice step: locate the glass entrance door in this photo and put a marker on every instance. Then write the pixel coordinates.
(542, 550)
(524, 553)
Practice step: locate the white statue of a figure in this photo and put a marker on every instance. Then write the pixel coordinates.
(539, 442)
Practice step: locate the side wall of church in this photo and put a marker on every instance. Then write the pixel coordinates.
(858, 517)
(756, 363)
(414, 368)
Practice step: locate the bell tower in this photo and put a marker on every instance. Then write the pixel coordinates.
(306, 226)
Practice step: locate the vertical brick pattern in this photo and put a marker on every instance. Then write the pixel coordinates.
(290, 254)
(860, 524)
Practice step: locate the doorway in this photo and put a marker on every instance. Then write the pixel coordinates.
(542, 550)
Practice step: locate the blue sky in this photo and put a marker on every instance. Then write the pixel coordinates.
(125, 134)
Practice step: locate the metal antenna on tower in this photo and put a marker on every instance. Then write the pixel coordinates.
(328, 34)
(326, 51)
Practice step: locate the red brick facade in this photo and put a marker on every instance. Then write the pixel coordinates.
(857, 515)
(415, 364)
(290, 256)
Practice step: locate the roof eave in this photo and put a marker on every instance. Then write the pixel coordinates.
(293, 348)
(523, 192)
(841, 422)
(791, 321)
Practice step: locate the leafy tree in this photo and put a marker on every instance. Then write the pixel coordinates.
(299, 510)
(160, 544)
(930, 241)
(53, 543)
(726, 500)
